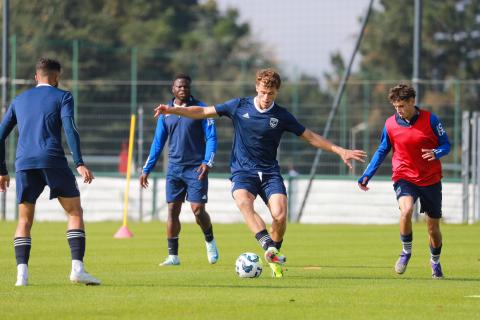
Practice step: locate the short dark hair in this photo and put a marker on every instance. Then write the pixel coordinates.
(183, 76)
(269, 78)
(46, 66)
(401, 92)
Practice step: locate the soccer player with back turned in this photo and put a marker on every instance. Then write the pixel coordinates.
(418, 140)
(40, 114)
(192, 147)
(259, 123)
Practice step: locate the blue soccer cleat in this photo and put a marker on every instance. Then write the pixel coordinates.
(402, 262)
(436, 270)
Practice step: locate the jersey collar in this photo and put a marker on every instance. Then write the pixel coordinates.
(262, 110)
(405, 123)
(43, 85)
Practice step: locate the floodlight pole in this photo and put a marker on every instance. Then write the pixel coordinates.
(334, 108)
(3, 196)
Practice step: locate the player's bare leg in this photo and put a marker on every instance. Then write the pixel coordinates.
(23, 241)
(203, 220)
(278, 209)
(76, 240)
(173, 231)
(435, 237)
(406, 205)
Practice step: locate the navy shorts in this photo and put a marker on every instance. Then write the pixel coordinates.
(430, 196)
(31, 182)
(260, 183)
(182, 181)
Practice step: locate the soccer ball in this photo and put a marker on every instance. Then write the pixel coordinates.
(248, 265)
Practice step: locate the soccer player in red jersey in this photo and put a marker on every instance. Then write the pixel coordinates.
(418, 140)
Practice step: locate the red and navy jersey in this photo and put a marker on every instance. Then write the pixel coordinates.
(407, 139)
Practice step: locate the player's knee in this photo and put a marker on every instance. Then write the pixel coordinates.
(25, 223)
(75, 212)
(280, 215)
(406, 212)
(198, 209)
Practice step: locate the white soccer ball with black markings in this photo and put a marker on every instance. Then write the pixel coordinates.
(248, 265)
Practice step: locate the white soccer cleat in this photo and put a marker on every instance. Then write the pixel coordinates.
(171, 260)
(84, 277)
(212, 251)
(22, 275)
(21, 281)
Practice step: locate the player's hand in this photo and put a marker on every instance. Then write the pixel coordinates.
(4, 183)
(144, 180)
(202, 170)
(348, 155)
(160, 109)
(86, 174)
(428, 154)
(363, 185)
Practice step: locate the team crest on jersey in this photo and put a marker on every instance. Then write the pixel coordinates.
(273, 122)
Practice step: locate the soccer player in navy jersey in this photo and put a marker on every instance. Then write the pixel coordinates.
(259, 123)
(192, 147)
(40, 114)
(418, 140)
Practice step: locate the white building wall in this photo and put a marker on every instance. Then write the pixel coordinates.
(330, 201)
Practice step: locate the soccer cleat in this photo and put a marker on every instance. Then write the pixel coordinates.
(84, 277)
(436, 270)
(22, 275)
(171, 260)
(212, 251)
(272, 255)
(277, 270)
(402, 262)
(21, 281)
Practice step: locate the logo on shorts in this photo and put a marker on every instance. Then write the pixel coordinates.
(398, 191)
(204, 197)
(273, 122)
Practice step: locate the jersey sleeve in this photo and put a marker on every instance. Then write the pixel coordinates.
(66, 109)
(292, 124)
(227, 108)
(210, 131)
(443, 143)
(377, 159)
(9, 122)
(73, 139)
(158, 143)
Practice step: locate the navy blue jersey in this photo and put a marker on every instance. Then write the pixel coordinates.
(257, 134)
(192, 142)
(38, 112)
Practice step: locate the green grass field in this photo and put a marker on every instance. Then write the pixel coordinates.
(334, 272)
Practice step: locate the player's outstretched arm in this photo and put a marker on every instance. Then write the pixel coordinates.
(320, 142)
(194, 112)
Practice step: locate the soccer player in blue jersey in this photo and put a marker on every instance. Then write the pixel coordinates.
(418, 140)
(40, 114)
(192, 147)
(259, 123)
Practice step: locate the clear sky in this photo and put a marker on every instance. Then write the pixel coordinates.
(302, 34)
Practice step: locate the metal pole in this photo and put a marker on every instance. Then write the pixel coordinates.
(3, 196)
(465, 164)
(417, 47)
(473, 159)
(140, 158)
(334, 109)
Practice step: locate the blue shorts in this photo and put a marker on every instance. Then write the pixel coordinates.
(260, 183)
(31, 182)
(430, 196)
(182, 181)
